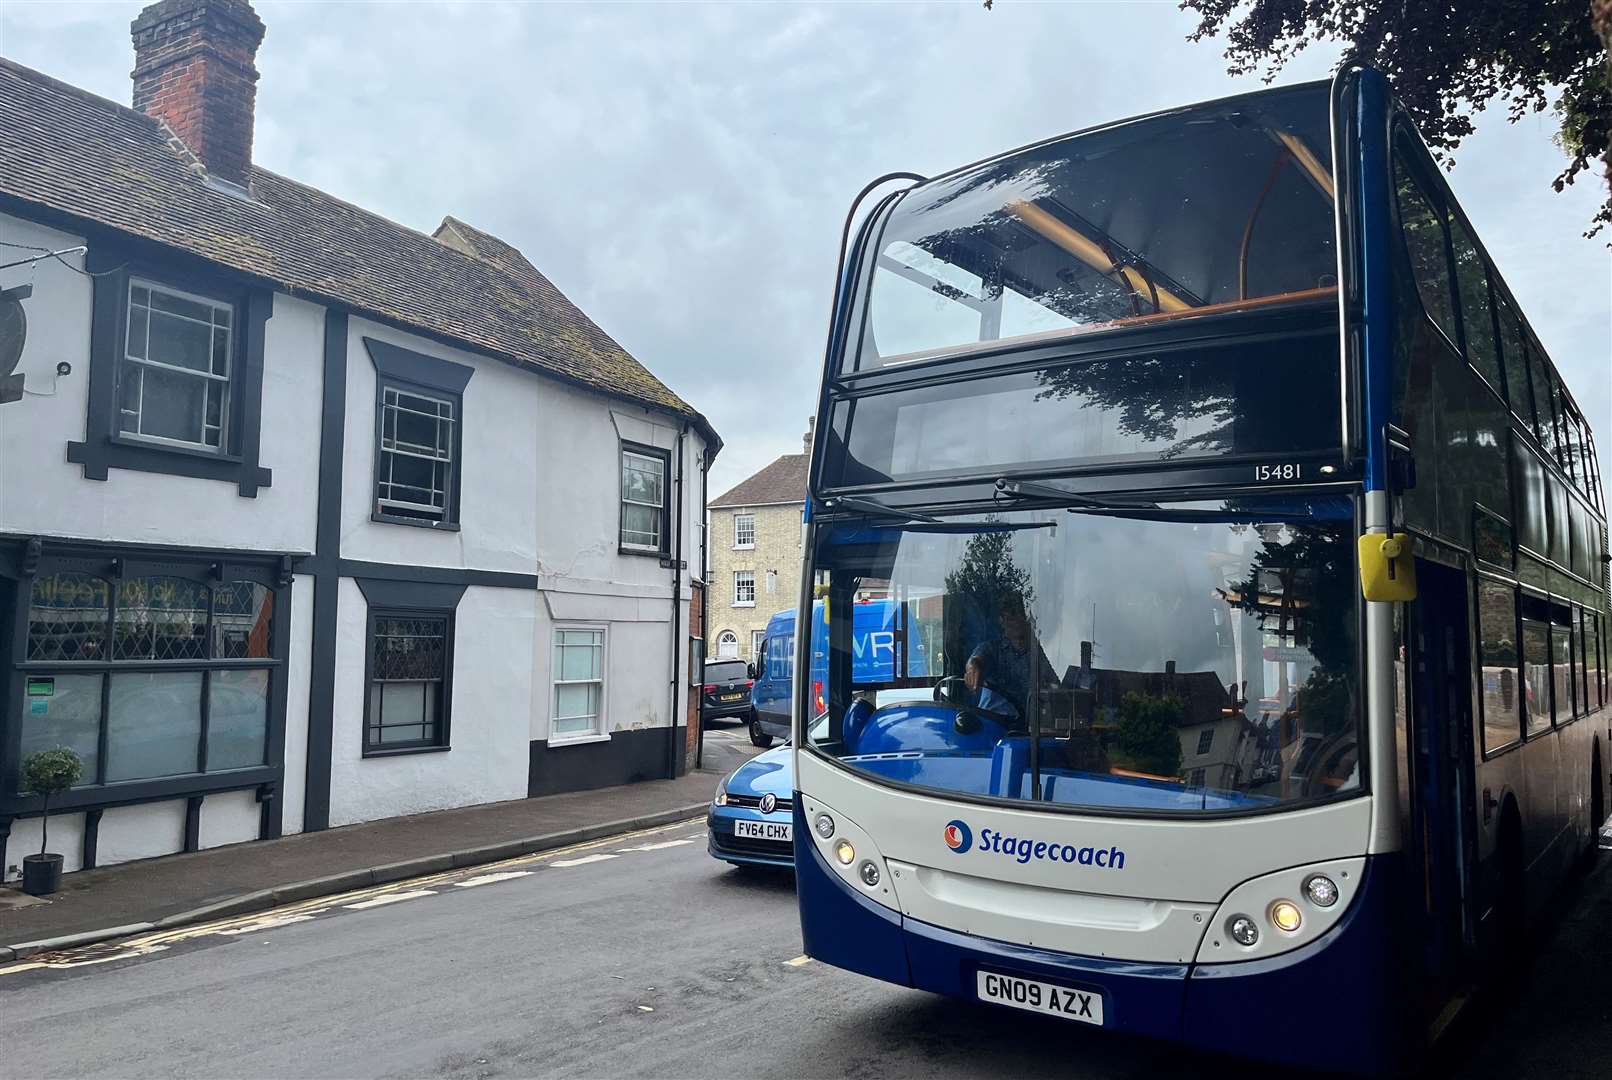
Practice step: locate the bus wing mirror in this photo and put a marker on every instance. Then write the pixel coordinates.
(750, 671)
(1387, 568)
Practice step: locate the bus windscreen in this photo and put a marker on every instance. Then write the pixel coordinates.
(1195, 658)
(1203, 210)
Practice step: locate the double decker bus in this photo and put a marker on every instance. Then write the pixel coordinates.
(1262, 559)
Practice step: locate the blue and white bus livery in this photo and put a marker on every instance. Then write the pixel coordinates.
(1258, 553)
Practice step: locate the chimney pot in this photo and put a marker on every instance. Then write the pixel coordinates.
(1169, 667)
(194, 69)
(1085, 656)
(811, 426)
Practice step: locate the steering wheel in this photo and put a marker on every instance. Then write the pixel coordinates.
(968, 716)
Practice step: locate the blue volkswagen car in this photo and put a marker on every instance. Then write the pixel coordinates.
(750, 819)
(750, 822)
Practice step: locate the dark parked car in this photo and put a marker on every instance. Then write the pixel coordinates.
(726, 693)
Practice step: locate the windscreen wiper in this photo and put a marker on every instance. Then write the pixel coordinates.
(1030, 489)
(876, 509)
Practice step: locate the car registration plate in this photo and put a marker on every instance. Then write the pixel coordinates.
(1032, 995)
(731, 697)
(763, 830)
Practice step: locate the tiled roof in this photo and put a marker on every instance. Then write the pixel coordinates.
(782, 481)
(85, 156)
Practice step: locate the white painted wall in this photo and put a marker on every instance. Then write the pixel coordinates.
(231, 817)
(492, 684)
(141, 832)
(498, 487)
(298, 675)
(66, 837)
(52, 497)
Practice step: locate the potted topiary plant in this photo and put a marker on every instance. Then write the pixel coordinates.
(47, 773)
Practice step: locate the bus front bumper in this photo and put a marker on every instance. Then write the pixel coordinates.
(1333, 1004)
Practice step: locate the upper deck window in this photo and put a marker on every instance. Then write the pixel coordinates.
(1199, 211)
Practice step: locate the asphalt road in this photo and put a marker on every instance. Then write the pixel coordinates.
(638, 956)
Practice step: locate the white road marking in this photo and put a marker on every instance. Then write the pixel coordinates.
(583, 861)
(799, 961)
(390, 898)
(655, 847)
(488, 879)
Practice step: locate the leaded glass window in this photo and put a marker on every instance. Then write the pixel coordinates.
(408, 680)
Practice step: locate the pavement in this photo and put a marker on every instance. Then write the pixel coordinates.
(636, 956)
(183, 889)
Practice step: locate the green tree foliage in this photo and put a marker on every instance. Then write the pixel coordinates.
(1146, 733)
(50, 772)
(1445, 60)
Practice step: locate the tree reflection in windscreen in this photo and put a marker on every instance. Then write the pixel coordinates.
(1168, 664)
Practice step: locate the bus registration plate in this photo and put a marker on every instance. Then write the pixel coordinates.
(1033, 995)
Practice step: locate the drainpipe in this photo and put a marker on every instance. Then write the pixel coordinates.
(705, 592)
(677, 609)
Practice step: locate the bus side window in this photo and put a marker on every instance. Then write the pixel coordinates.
(1516, 361)
(1544, 420)
(1426, 244)
(1498, 657)
(1477, 322)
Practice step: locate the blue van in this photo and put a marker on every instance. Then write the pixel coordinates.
(873, 643)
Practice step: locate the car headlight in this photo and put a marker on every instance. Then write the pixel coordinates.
(721, 798)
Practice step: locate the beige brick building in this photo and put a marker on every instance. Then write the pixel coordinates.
(754, 554)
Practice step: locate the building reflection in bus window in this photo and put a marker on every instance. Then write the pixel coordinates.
(1501, 691)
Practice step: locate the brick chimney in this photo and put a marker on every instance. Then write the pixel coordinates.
(194, 69)
(811, 426)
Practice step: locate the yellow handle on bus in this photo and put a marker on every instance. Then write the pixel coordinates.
(1387, 568)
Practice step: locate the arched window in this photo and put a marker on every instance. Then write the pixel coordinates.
(727, 645)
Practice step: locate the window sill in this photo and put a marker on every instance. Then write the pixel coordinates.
(98, 454)
(744, 603)
(174, 448)
(578, 740)
(403, 751)
(744, 547)
(647, 553)
(433, 526)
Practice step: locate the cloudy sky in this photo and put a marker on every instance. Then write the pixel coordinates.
(681, 171)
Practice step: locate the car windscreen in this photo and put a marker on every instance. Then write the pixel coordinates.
(1214, 208)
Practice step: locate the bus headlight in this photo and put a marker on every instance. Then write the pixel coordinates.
(824, 826)
(845, 853)
(1242, 930)
(1322, 890)
(868, 873)
(1285, 916)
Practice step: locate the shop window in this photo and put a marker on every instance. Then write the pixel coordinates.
(170, 675)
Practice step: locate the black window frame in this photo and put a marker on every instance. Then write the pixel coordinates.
(407, 371)
(663, 550)
(105, 446)
(416, 600)
(116, 563)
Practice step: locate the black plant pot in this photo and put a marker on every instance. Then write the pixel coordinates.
(41, 874)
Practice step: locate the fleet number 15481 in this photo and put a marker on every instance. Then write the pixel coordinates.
(1288, 471)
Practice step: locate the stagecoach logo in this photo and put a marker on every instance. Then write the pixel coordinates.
(1023, 850)
(769, 803)
(959, 837)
